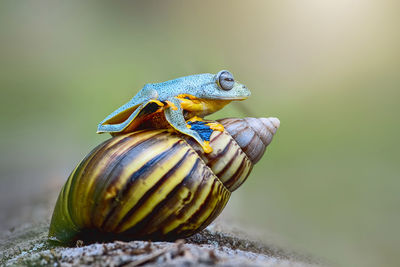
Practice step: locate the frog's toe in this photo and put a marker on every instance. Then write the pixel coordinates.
(215, 126)
(195, 119)
(206, 147)
(158, 102)
(169, 104)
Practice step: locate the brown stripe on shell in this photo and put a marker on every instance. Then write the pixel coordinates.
(211, 159)
(70, 188)
(175, 218)
(225, 161)
(243, 137)
(107, 180)
(227, 122)
(190, 223)
(113, 162)
(224, 197)
(78, 183)
(103, 169)
(137, 229)
(220, 160)
(239, 170)
(265, 128)
(215, 156)
(240, 176)
(158, 218)
(255, 148)
(196, 220)
(82, 197)
(228, 164)
(207, 205)
(175, 178)
(142, 173)
(245, 130)
(172, 203)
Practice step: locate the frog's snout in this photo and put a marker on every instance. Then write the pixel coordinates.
(246, 91)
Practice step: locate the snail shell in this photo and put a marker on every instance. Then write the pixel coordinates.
(157, 184)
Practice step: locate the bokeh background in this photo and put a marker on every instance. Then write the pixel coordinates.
(330, 70)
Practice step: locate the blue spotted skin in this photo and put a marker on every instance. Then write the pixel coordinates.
(200, 86)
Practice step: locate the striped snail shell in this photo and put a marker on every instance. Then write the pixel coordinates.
(157, 184)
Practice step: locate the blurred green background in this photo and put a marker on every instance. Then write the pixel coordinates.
(329, 70)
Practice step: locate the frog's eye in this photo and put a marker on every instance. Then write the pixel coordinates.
(225, 80)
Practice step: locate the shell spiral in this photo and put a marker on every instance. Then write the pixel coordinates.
(253, 135)
(156, 184)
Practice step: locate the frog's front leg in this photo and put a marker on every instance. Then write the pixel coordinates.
(174, 116)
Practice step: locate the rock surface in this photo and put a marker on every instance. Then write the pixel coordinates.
(27, 245)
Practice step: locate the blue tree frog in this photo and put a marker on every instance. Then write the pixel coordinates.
(179, 104)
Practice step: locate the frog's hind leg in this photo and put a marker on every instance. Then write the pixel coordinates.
(129, 118)
(174, 116)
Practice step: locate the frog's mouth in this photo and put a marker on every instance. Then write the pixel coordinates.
(241, 98)
(226, 98)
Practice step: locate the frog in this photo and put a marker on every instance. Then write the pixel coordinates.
(178, 104)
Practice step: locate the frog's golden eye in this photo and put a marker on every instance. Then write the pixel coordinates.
(225, 80)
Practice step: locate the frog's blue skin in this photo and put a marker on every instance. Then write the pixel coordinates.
(200, 86)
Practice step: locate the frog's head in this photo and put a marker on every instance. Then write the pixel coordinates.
(223, 86)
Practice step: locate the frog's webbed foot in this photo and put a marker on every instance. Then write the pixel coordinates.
(174, 116)
(127, 117)
(213, 125)
(205, 130)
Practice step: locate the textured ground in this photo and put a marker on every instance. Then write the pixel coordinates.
(28, 245)
(23, 241)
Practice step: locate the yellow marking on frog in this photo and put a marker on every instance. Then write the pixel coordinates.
(206, 146)
(195, 118)
(188, 126)
(191, 105)
(186, 96)
(215, 126)
(201, 107)
(171, 105)
(158, 102)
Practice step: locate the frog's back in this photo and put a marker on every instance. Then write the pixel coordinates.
(184, 85)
